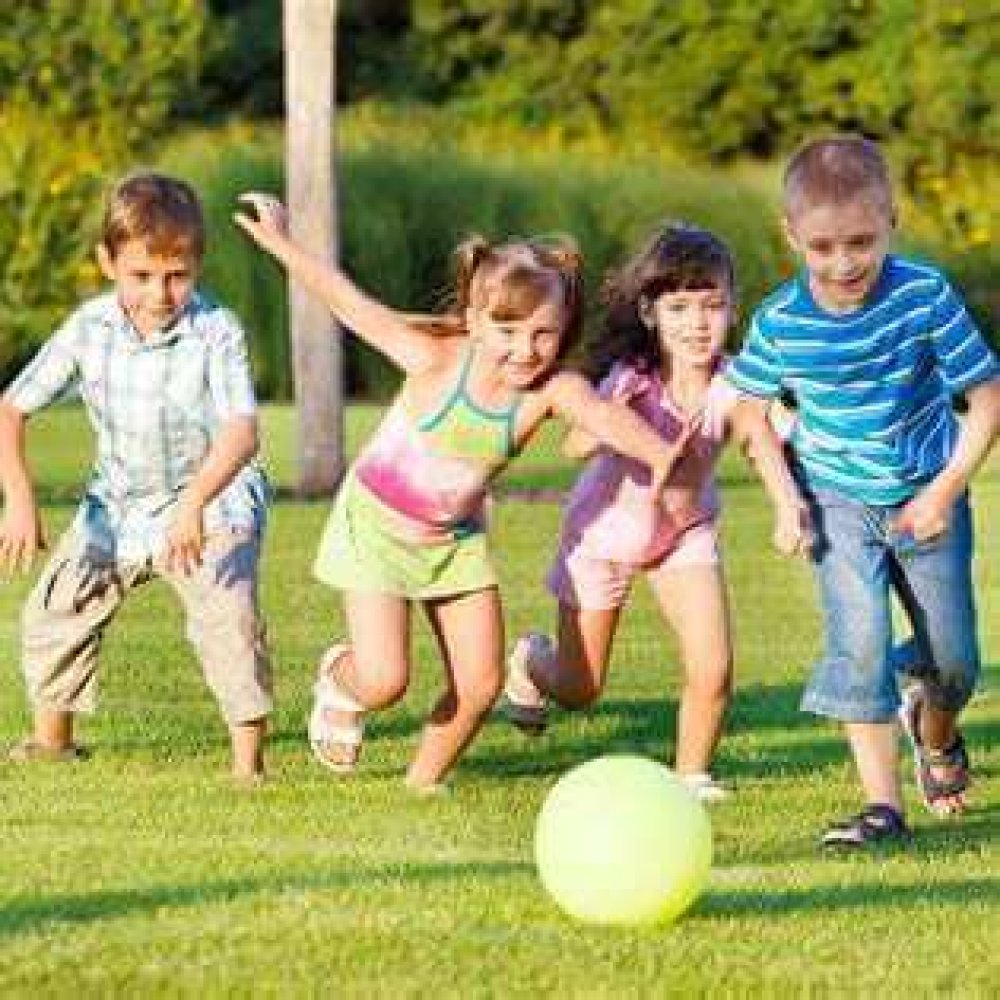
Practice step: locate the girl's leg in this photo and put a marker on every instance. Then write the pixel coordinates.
(371, 671)
(693, 602)
(375, 669)
(574, 676)
(469, 630)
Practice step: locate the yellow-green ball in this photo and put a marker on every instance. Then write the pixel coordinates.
(621, 840)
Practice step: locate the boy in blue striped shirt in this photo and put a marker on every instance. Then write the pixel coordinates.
(873, 348)
(164, 376)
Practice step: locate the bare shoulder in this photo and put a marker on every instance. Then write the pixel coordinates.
(566, 385)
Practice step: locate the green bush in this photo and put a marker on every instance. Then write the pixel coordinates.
(405, 208)
(727, 80)
(85, 88)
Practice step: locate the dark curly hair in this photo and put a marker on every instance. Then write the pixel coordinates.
(679, 256)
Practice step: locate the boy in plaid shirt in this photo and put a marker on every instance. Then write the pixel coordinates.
(174, 493)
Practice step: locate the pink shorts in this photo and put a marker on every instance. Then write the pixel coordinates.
(581, 580)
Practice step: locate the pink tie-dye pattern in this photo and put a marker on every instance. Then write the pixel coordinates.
(429, 488)
(612, 512)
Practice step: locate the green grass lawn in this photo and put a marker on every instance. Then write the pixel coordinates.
(144, 872)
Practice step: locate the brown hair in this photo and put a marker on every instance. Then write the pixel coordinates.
(163, 211)
(679, 256)
(511, 279)
(835, 170)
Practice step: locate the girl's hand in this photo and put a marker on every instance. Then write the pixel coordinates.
(21, 539)
(629, 387)
(268, 225)
(793, 530)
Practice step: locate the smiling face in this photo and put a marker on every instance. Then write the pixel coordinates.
(843, 246)
(691, 324)
(522, 349)
(153, 288)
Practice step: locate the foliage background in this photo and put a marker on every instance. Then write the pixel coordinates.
(597, 118)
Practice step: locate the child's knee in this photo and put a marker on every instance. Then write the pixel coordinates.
(379, 685)
(581, 692)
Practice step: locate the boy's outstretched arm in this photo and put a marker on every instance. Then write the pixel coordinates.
(793, 534)
(613, 424)
(926, 515)
(408, 344)
(234, 446)
(20, 527)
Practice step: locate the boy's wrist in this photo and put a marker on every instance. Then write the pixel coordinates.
(192, 499)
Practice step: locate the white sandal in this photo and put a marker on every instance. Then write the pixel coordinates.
(705, 787)
(336, 745)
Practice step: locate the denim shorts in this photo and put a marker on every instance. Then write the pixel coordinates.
(859, 564)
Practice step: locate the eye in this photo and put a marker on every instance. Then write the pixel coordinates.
(821, 248)
(865, 242)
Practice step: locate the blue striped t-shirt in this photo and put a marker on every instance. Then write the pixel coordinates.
(873, 386)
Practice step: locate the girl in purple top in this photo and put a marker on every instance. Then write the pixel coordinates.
(407, 528)
(669, 311)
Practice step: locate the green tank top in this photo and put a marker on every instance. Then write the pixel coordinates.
(460, 426)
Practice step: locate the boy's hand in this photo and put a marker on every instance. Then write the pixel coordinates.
(21, 538)
(266, 221)
(924, 517)
(793, 530)
(673, 453)
(185, 538)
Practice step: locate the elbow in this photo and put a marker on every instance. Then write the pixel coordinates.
(252, 442)
(249, 439)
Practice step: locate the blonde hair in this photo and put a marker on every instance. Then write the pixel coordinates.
(163, 211)
(511, 279)
(835, 170)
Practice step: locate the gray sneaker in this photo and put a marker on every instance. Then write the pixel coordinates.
(524, 705)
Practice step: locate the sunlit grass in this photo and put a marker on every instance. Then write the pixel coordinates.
(143, 872)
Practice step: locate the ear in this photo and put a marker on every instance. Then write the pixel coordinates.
(105, 261)
(789, 232)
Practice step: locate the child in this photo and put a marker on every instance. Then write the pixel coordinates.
(408, 523)
(164, 377)
(874, 346)
(669, 311)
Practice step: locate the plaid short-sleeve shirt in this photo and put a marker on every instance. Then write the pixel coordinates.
(156, 404)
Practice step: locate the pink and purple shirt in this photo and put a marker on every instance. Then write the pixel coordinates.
(612, 512)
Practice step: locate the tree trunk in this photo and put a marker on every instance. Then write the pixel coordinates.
(317, 356)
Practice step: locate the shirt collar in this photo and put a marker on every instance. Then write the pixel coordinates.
(116, 318)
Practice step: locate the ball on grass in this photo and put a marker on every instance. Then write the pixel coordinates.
(621, 840)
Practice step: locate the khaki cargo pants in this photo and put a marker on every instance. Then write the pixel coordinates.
(80, 591)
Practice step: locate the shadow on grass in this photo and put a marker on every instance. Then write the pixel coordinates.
(30, 915)
(843, 897)
(646, 726)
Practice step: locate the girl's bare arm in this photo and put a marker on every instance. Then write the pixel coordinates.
(612, 424)
(412, 346)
